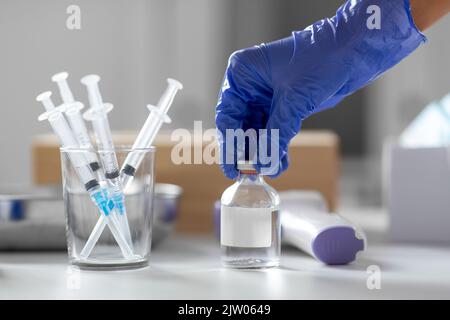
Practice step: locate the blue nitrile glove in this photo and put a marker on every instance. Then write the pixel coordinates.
(278, 85)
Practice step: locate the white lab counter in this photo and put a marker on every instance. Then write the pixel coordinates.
(189, 268)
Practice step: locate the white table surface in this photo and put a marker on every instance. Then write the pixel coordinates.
(189, 268)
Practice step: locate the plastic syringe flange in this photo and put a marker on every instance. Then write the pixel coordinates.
(73, 107)
(92, 113)
(164, 117)
(46, 100)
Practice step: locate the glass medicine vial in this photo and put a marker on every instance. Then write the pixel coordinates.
(250, 222)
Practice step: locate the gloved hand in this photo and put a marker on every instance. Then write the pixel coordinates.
(279, 84)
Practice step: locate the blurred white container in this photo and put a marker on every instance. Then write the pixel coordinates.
(417, 176)
(418, 193)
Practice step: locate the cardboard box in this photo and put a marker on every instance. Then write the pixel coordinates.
(314, 165)
(417, 185)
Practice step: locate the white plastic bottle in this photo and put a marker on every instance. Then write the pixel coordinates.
(250, 222)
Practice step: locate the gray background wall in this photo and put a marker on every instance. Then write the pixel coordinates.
(133, 45)
(136, 45)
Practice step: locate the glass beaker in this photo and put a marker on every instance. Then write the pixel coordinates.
(82, 215)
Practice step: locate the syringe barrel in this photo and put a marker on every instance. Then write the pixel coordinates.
(105, 145)
(81, 132)
(78, 159)
(144, 139)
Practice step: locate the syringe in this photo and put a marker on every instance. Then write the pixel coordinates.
(84, 171)
(72, 108)
(158, 115)
(98, 115)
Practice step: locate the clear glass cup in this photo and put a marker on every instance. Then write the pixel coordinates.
(250, 222)
(82, 214)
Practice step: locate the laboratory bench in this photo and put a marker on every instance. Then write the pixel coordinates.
(188, 267)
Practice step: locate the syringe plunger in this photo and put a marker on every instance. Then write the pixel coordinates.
(46, 100)
(91, 82)
(64, 89)
(167, 97)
